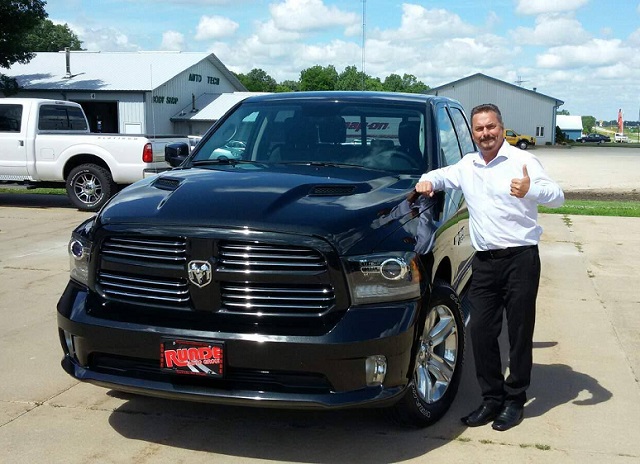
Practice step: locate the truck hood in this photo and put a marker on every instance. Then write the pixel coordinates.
(346, 205)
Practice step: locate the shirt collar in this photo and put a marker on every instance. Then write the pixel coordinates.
(502, 155)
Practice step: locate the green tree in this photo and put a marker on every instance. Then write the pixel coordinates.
(17, 19)
(288, 86)
(563, 113)
(393, 83)
(257, 80)
(319, 78)
(407, 83)
(588, 123)
(49, 37)
(560, 137)
(351, 79)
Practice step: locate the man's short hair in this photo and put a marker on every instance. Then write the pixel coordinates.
(487, 108)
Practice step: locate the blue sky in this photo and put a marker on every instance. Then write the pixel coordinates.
(584, 52)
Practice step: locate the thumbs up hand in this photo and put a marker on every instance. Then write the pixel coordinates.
(520, 187)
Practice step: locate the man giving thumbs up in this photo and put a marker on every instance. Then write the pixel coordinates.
(503, 187)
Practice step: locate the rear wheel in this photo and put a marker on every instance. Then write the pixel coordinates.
(89, 186)
(438, 363)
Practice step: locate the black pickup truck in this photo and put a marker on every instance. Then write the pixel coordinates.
(286, 262)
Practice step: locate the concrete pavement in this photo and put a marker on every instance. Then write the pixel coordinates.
(585, 396)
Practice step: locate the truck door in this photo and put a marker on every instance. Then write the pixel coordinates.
(13, 149)
(455, 142)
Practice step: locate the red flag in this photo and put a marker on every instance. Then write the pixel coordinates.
(620, 121)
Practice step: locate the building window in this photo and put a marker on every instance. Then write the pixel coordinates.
(540, 131)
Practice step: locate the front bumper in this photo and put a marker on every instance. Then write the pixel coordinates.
(302, 372)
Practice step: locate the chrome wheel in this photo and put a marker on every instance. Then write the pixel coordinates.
(437, 355)
(88, 188)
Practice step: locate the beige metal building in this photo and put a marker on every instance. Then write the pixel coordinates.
(132, 92)
(525, 111)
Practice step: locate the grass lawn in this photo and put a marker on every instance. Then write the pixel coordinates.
(596, 208)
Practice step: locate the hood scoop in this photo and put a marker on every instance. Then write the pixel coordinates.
(167, 183)
(332, 190)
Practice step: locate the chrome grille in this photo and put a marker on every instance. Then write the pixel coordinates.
(244, 257)
(276, 299)
(136, 289)
(154, 250)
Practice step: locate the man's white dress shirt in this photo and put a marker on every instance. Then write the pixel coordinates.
(497, 219)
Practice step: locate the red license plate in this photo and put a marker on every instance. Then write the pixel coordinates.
(192, 357)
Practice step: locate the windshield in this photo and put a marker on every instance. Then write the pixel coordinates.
(370, 135)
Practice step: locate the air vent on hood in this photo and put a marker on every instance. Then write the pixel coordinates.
(332, 190)
(167, 183)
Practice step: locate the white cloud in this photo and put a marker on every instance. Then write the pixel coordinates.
(552, 30)
(172, 40)
(103, 39)
(215, 27)
(593, 54)
(269, 33)
(536, 7)
(420, 23)
(309, 15)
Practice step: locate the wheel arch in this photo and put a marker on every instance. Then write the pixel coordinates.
(84, 158)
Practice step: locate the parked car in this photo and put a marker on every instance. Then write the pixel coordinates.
(620, 138)
(594, 138)
(47, 143)
(521, 141)
(306, 274)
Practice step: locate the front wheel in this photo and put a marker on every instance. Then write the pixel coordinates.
(523, 144)
(438, 363)
(89, 186)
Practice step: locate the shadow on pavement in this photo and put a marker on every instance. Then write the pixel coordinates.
(556, 384)
(350, 436)
(31, 200)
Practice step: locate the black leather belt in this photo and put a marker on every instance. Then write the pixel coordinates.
(504, 252)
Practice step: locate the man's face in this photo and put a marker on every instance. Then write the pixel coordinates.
(487, 131)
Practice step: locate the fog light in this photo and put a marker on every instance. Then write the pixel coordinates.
(375, 369)
(68, 341)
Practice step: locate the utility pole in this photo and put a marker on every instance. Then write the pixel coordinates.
(364, 39)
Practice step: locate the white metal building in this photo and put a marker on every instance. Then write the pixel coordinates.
(525, 111)
(571, 126)
(130, 92)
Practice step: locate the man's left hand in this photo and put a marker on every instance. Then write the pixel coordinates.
(520, 187)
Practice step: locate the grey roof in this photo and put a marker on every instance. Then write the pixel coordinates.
(476, 76)
(566, 122)
(109, 71)
(211, 107)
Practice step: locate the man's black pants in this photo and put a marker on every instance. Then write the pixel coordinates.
(506, 280)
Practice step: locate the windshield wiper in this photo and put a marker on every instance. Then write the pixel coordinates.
(225, 160)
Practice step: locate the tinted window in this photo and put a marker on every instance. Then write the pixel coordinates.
(462, 128)
(10, 118)
(448, 139)
(57, 117)
(368, 134)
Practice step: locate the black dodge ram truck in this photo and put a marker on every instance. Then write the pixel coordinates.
(286, 262)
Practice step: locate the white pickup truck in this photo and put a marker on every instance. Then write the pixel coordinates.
(619, 137)
(47, 143)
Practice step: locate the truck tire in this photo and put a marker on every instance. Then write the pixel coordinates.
(89, 186)
(438, 362)
(523, 144)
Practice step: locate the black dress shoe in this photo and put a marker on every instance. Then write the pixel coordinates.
(510, 416)
(483, 415)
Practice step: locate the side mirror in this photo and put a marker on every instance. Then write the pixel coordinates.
(176, 153)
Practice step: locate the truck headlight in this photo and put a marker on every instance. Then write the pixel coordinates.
(80, 253)
(383, 277)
